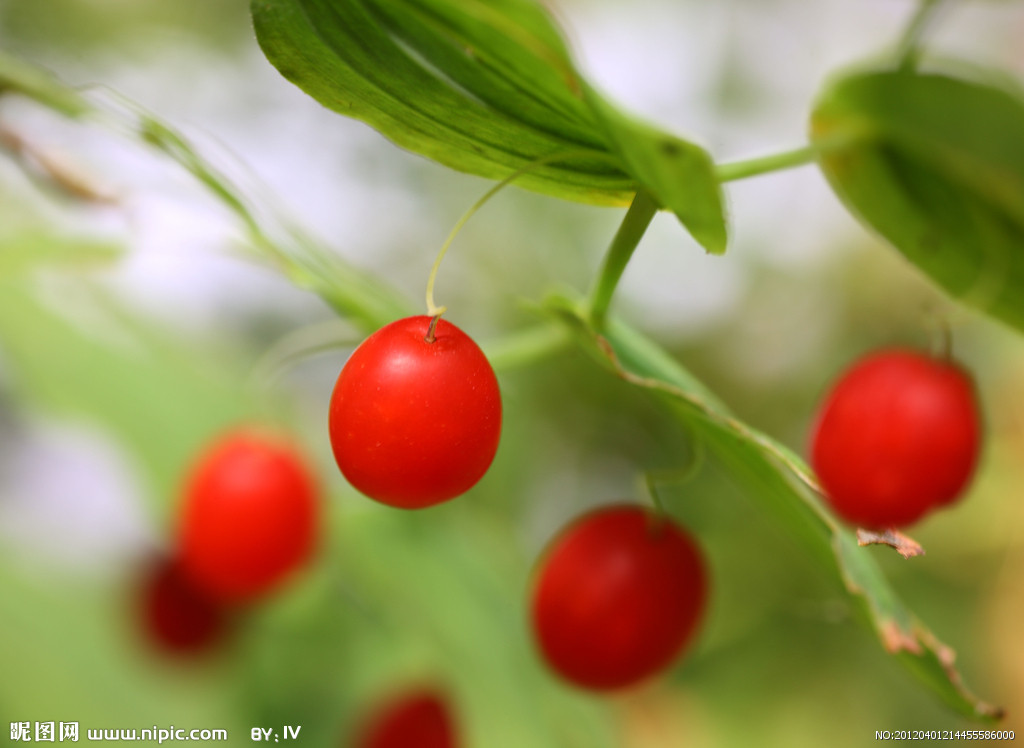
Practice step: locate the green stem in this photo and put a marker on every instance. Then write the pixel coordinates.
(433, 310)
(790, 159)
(632, 229)
(652, 491)
(908, 48)
(765, 164)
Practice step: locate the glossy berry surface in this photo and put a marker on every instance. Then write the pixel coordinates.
(618, 596)
(898, 436)
(419, 719)
(249, 517)
(178, 618)
(414, 423)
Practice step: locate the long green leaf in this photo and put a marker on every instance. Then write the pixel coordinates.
(486, 87)
(342, 55)
(937, 169)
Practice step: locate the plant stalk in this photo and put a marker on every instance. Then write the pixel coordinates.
(765, 164)
(626, 239)
(908, 49)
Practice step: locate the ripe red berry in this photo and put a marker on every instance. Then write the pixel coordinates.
(178, 618)
(618, 596)
(897, 436)
(418, 718)
(415, 422)
(249, 516)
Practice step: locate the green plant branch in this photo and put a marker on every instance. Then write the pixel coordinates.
(754, 167)
(791, 159)
(908, 48)
(626, 239)
(644, 207)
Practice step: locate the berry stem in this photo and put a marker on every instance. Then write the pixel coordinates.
(678, 476)
(651, 481)
(432, 328)
(626, 239)
(433, 310)
(908, 49)
(300, 345)
(944, 341)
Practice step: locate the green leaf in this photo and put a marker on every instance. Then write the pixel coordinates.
(936, 166)
(486, 87)
(342, 54)
(783, 485)
(679, 174)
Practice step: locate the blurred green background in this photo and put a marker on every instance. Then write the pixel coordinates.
(133, 330)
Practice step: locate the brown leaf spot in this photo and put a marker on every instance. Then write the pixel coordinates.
(904, 545)
(896, 640)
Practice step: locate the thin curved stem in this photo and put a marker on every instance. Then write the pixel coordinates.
(652, 490)
(676, 476)
(299, 345)
(433, 310)
(908, 49)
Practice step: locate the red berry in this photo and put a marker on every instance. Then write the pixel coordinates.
(416, 719)
(415, 422)
(618, 596)
(898, 436)
(250, 515)
(178, 617)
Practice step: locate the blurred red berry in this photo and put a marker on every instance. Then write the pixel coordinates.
(415, 719)
(618, 596)
(249, 517)
(897, 437)
(179, 618)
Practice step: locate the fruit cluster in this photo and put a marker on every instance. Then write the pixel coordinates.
(249, 519)
(415, 420)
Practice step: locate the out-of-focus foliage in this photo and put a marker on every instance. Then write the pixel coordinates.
(62, 27)
(936, 166)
